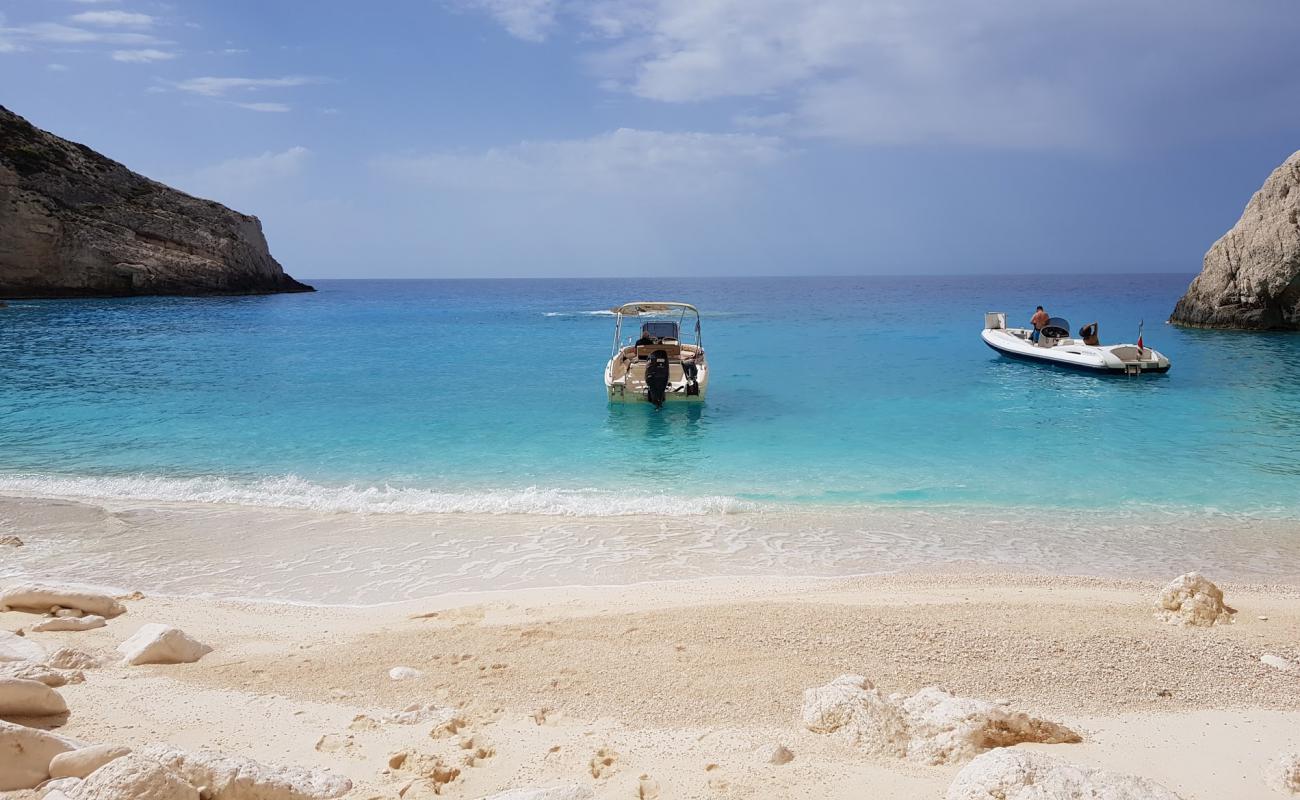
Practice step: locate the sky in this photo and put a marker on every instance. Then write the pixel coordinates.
(503, 138)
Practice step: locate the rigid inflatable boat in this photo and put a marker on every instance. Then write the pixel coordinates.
(1056, 347)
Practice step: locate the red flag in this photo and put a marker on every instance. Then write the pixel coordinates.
(1139, 342)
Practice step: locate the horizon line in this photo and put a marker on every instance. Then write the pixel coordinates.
(308, 279)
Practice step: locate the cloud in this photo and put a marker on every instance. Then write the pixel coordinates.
(219, 87)
(611, 162)
(58, 33)
(233, 180)
(530, 20)
(1051, 74)
(123, 19)
(57, 67)
(266, 107)
(142, 56)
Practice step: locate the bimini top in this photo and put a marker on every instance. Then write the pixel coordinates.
(655, 307)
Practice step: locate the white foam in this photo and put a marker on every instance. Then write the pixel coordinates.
(295, 493)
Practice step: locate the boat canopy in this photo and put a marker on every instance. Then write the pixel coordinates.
(637, 309)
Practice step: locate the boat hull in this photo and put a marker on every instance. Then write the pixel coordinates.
(1077, 357)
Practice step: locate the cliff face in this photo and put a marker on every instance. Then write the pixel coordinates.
(1251, 277)
(76, 224)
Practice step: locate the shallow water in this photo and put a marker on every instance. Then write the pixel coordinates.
(486, 396)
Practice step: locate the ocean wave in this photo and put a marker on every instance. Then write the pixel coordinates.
(292, 492)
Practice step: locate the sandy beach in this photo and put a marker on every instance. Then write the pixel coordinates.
(681, 689)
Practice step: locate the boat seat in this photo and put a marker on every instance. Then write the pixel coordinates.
(646, 350)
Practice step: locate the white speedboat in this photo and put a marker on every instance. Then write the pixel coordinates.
(655, 365)
(1055, 346)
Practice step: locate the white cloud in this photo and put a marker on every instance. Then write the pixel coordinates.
(57, 67)
(113, 19)
(619, 161)
(234, 179)
(142, 56)
(266, 107)
(219, 87)
(58, 33)
(530, 20)
(1069, 74)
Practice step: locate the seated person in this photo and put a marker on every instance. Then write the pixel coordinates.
(1089, 334)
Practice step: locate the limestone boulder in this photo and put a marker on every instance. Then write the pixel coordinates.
(24, 698)
(233, 778)
(156, 643)
(80, 763)
(1192, 599)
(41, 597)
(19, 648)
(86, 623)
(932, 726)
(132, 777)
(25, 755)
(1250, 278)
(1284, 773)
(1024, 775)
(71, 658)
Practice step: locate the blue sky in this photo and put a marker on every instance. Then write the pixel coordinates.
(418, 138)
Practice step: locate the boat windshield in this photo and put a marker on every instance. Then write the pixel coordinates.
(659, 320)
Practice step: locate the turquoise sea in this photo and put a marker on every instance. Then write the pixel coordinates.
(486, 396)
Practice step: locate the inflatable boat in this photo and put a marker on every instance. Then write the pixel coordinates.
(1055, 346)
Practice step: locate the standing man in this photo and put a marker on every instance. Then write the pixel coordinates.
(1039, 319)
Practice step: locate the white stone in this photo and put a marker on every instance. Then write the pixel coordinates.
(932, 726)
(1284, 773)
(404, 673)
(19, 648)
(88, 622)
(233, 778)
(1024, 775)
(133, 777)
(31, 671)
(39, 597)
(25, 755)
(24, 698)
(570, 792)
(156, 643)
(1191, 599)
(1277, 662)
(775, 754)
(71, 658)
(57, 788)
(82, 762)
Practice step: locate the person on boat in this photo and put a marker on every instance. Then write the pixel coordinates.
(1039, 319)
(1089, 335)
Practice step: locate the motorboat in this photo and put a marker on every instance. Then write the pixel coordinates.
(655, 365)
(1055, 346)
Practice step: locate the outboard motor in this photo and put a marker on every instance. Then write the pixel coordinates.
(692, 374)
(656, 378)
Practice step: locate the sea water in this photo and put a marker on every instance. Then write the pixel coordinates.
(487, 396)
(386, 439)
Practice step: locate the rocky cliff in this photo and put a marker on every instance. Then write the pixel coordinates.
(76, 224)
(1251, 276)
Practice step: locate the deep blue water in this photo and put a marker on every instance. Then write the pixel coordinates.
(487, 395)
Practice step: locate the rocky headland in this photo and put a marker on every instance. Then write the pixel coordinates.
(74, 223)
(1251, 276)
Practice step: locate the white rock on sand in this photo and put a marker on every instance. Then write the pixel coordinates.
(133, 777)
(1024, 775)
(156, 643)
(404, 673)
(41, 598)
(1284, 773)
(1191, 599)
(571, 792)
(775, 754)
(25, 755)
(71, 658)
(1277, 662)
(80, 763)
(932, 726)
(232, 778)
(31, 671)
(24, 698)
(88, 622)
(19, 648)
